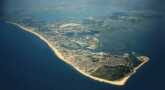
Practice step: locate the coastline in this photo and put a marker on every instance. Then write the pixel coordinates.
(120, 82)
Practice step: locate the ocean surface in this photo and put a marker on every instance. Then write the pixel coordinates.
(27, 63)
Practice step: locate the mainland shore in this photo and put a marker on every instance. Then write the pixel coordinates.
(120, 82)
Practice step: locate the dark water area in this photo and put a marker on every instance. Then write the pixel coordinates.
(27, 63)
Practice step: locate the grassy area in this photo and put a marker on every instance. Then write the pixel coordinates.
(111, 73)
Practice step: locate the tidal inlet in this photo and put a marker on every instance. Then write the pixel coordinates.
(97, 38)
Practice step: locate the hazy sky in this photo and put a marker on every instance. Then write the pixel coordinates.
(123, 4)
(84, 6)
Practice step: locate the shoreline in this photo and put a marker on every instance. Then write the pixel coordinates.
(120, 82)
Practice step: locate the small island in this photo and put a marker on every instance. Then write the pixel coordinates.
(76, 44)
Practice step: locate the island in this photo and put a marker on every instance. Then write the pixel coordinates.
(77, 44)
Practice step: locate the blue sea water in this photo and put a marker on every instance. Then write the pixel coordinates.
(27, 63)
